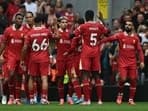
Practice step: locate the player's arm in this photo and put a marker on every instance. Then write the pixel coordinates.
(110, 39)
(25, 47)
(2, 47)
(4, 41)
(74, 44)
(140, 52)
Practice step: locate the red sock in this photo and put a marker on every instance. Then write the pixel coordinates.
(132, 89)
(5, 88)
(70, 89)
(77, 88)
(132, 92)
(86, 90)
(45, 93)
(31, 94)
(121, 86)
(11, 87)
(17, 90)
(99, 89)
(35, 87)
(26, 89)
(61, 90)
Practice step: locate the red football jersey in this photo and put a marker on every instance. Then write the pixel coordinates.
(26, 27)
(64, 43)
(128, 47)
(38, 40)
(76, 46)
(14, 39)
(90, 33)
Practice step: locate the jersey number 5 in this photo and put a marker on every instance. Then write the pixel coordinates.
(43, 46)
(93, 39)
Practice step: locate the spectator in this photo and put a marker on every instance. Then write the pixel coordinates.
(3, 20)
(12, 9)
(31, 6)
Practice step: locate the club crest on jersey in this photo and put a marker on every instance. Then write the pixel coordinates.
(12, 41)
(22, 35)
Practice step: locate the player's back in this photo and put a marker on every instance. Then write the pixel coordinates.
(91, 32)
(39, 41)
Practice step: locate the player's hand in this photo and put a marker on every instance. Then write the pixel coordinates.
(2, 60)
(65, 54)
(141, 65)
(22, 65)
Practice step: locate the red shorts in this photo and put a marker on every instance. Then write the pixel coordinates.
(89, 63)
(36, 69)
(63, 66)
(14, 65)
(128, 72)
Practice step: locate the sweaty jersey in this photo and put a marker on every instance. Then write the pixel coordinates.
(90, 33)
(14, 39)
(129, 46)
(38, 40)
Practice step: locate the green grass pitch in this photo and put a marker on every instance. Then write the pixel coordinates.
(107, 106)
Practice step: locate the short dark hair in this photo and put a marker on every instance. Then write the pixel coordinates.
(18, 14)
(89, 15)
(69, 5)
(38, 18)
(80, 21)
(22, 6)
(62, 18)
(29, 12)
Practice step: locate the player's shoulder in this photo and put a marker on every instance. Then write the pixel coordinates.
(9, 28)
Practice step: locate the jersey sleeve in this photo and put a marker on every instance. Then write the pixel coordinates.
(5, 36)
(111, 38)
(27, 39)
(78, 31)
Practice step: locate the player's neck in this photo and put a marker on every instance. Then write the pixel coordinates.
(17, 26)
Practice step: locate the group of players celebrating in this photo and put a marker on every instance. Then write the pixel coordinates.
(25, 52)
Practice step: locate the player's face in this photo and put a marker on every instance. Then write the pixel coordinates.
(29, 18)
(19, 19)
(63, 24)
(128, 26)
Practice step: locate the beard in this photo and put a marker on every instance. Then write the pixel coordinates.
(127, 29)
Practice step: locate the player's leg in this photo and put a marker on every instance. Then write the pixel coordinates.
(32, 75)
(84, 66)
(60, 76)
(11, 65)
(44, 77)
(98, 85)
(18, 82)
(76, 79)
(98, 82)
(5, 83)
(133, 83)
(122, 78)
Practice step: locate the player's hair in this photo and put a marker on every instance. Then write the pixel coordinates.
(29, 12)
(18, 14)
(80, 21)
(89, 15)
(69, 5)
(38, 18)
(62, 18)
